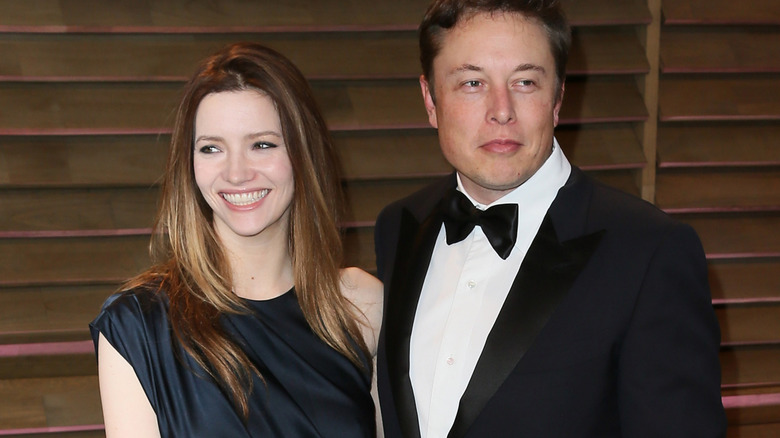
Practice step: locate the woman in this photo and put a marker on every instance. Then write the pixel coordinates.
(246, 326)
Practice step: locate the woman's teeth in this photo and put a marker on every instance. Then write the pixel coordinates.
(244, 198)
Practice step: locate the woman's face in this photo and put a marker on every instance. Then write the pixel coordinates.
(241, 164)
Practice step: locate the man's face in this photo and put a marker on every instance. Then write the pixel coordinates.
(494, 101)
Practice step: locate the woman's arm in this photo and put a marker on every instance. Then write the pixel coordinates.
(126, 409)
(367, 293)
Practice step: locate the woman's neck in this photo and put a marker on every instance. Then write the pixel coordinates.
(261, 267)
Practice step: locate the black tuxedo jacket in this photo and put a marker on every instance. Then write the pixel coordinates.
(607, 331)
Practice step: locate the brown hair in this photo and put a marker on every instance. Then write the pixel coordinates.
(443, 15)
(192, 266)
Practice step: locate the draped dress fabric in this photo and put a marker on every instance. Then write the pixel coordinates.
(307, 389)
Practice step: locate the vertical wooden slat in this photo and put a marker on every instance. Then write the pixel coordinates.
(650, 37)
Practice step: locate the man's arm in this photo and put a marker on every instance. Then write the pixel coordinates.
(669, 371)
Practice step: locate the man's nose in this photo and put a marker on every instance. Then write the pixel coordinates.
(501, 109)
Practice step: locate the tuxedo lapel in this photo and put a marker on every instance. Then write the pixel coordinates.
(544, 278)
(415, 246)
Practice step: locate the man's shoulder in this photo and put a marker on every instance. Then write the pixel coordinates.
(620, 205)
(610, 208)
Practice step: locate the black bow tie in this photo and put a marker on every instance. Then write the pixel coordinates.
(499, 222)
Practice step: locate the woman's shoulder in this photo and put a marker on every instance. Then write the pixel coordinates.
(360, 287)
(367, 294)
(144, 298)
(139, 308)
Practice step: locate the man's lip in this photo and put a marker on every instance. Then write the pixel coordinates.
(501, 145)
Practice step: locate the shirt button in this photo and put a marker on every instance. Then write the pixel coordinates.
(450, 360)
(471, 284)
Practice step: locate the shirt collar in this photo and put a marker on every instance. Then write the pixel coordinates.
(541, 187)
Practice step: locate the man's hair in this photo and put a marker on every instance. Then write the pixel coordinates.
(443, 15)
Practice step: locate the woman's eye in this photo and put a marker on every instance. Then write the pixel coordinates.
(208, 149)
(263, 145)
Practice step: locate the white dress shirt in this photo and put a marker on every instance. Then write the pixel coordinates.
(463, 292)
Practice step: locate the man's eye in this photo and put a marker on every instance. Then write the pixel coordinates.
(472, 84)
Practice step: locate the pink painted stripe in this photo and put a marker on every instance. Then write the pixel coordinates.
(726, 209)
(720, 22)
(775, 343)
(587, 167)
(742, 255)
(614, 22)
(163, 78)
(751, 401)
(299, 28)
(86, 29)
(54, 429)
(581, 120)
(380, 127)
(615, 166)
(63, 282)
(165, 131)
(752, 300)
(40, 234)
(83, 131)
(607, 71)
(333, 127)
(375, 177)
(47, 349)
(31, 333)
(312, 77)
(82, 78)
(749, 385)
(690, 164)
(688, 70)
(718, 118)
(358, 224)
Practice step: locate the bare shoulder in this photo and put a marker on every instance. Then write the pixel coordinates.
(363, 289)
(356, 281)
(366, 292)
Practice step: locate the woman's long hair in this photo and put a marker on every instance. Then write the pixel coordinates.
(191, 265)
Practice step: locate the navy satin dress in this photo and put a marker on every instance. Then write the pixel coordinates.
(307, 388)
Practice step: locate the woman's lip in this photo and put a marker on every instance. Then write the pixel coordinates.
(244, 199)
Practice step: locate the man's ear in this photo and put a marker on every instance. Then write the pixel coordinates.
(558, 103)
(430, 101)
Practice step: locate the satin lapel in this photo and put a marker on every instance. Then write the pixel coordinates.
(415, 247)
(545, 277)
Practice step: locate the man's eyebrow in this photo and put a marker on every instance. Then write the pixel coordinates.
(519, 68)
(467, 67)
(530, 67)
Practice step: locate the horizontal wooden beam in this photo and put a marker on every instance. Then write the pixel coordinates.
(350, 55)
(713, 12)
(147, 108)
(720, 50)
(182, 16)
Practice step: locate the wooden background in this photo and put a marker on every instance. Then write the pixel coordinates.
(675, 101)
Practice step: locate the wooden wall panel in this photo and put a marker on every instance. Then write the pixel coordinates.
(672, 100)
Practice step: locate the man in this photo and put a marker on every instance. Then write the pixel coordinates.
(585, 313)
